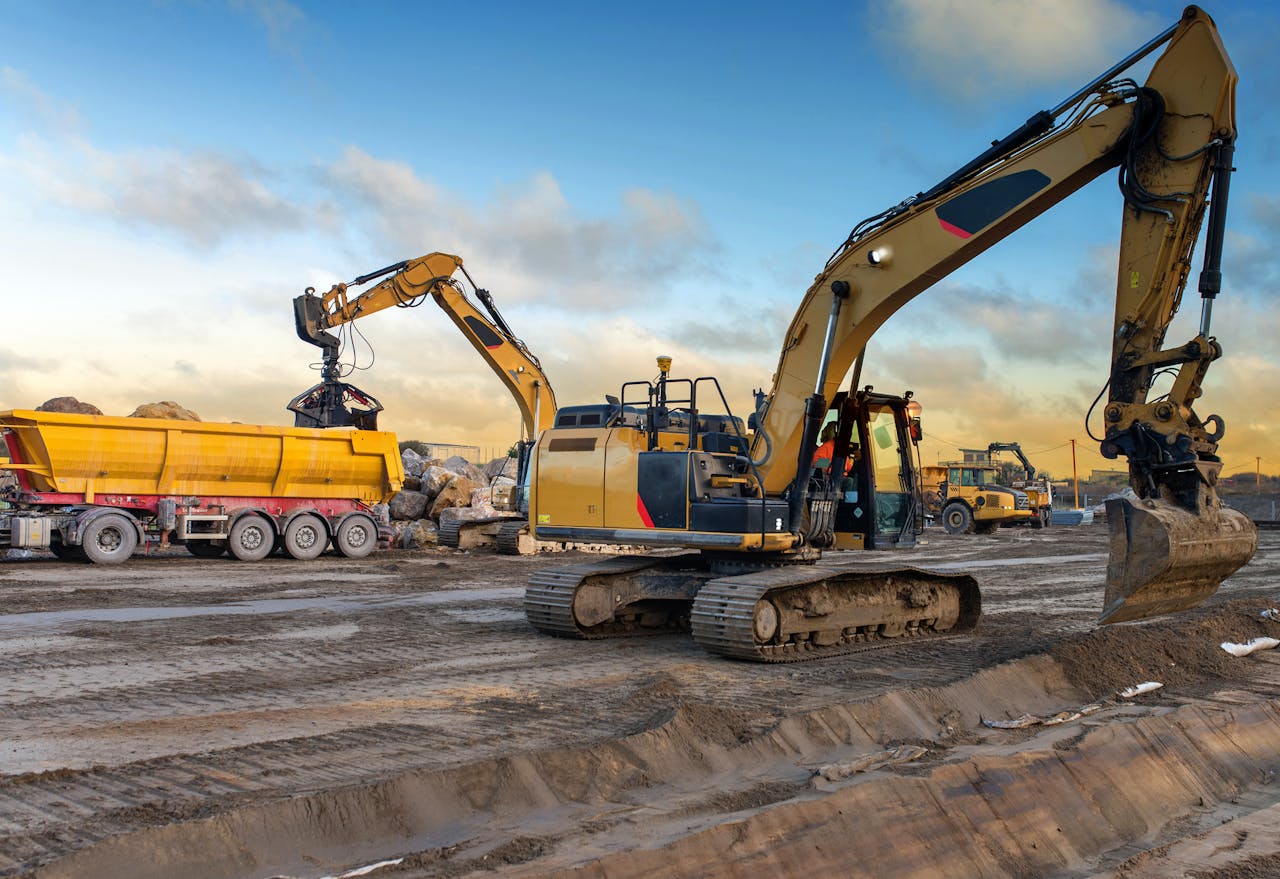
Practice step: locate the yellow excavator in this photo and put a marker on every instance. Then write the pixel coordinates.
(407, 284)
(660, 472)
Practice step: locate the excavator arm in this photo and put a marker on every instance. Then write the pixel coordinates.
(1018, 453)
(405, 285)
(1171, 139)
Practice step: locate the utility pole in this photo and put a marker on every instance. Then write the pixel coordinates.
(1257, 475)
(1075, 477)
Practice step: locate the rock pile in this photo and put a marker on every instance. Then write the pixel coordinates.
(443, 492)
(68, 405)
(164, 409)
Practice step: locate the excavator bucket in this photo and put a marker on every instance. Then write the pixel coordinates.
(1165, 558)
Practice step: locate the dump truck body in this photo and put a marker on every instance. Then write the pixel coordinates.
(240, 488)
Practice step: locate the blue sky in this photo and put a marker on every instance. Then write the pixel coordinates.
(628, 180)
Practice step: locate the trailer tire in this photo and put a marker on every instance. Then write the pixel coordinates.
(207, 549)
(957, 519)
(356, 536)
(251, 538)
(305, 537)
(109, 539)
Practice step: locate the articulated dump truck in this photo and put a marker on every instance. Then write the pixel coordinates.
(96, 487)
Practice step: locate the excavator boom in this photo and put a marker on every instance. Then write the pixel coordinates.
(1172, 141)
(405, 285)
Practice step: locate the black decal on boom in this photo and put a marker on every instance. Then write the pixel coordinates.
(980, 207)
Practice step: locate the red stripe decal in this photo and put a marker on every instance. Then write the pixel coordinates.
(954, 230)
(644, 513)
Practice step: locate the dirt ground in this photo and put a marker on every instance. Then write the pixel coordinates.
(396, 716)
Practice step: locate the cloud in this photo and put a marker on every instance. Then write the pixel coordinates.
(203, 197)
(1027, 326)
(15, 86)
(281, 19)
(969, 48)
(1250, 263)
(530, 236)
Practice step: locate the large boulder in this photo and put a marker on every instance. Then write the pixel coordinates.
(504, 466)
(406, 505)
(412, 483)
(412, 461)
(435, 478)
(419, 534)
(482, 502)
(463, 467)
(457, 493)
(451, 515)
(69, 405)
(164, 409)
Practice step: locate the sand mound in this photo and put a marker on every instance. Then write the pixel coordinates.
(1180, 650)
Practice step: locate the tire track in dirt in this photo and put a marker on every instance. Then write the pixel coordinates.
(421, 691)
(43, 816)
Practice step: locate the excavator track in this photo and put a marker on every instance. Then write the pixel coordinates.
(778, 614)
(765, 616)
(550, 598)
(449, 534)
(509, 537)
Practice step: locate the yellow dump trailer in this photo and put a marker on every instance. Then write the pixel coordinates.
(98, 486)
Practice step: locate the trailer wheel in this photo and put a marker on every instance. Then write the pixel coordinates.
(109, 539)
(305, 537)
(356, 537)
(251, 538)
(957, 519)
(207, 549)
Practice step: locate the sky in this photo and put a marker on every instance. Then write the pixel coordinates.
(628, 180)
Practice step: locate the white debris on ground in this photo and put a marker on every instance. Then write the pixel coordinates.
(1027, 720)
(442, 492)
(1249, 646)
(1271, 613)
(868, 762)
(1139, 689)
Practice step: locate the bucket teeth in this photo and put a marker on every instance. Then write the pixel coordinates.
(1165, 558)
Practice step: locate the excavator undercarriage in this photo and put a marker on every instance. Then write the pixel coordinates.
(785, 613)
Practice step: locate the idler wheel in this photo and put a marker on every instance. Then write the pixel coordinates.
(764, 621)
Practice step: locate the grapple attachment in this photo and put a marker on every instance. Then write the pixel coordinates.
(1165, 558)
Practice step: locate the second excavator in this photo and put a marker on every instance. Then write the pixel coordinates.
(407, 284)
(658, 471)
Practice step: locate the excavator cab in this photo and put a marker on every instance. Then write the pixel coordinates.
(872, 472)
